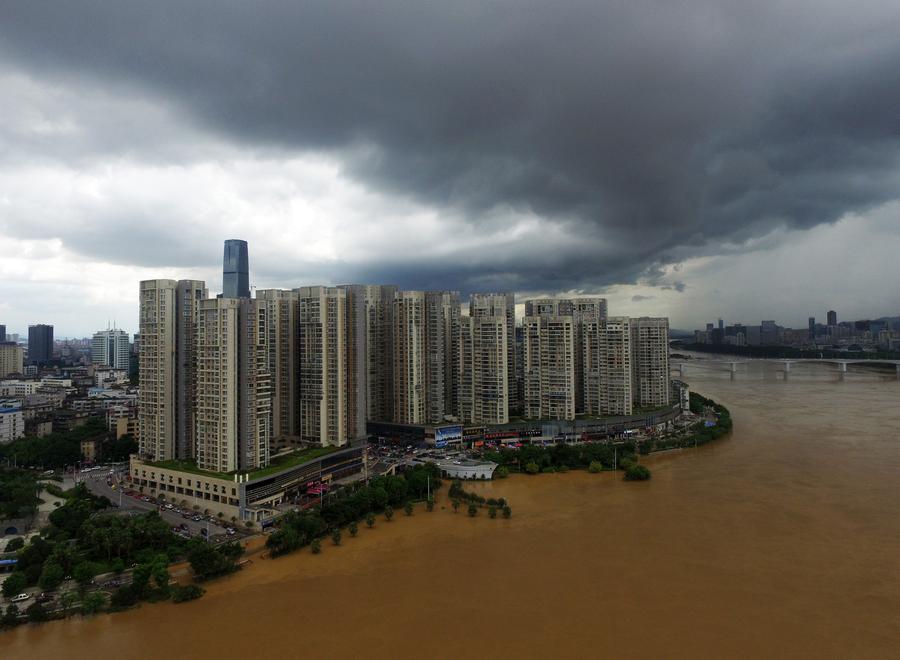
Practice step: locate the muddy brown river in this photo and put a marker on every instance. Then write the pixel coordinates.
(782, 540)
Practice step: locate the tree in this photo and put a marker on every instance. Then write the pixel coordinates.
(93, 602)
(455, 504)
(473, 510)
(507, 512)
(67, 601)
(532, 468)
(502, 472)
(84, 573)
(15, 544)
(188, 592)
(316, 546)
(51, 577)
(353, 528)
(492, 512)
(388, 512)
(370, 519)
(408, 508)
(14, 584)
(336, 537)
(36, 613)
(10, 617)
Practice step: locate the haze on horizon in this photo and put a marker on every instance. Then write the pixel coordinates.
(694, 160)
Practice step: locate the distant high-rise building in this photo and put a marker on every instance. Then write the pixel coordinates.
(281, 336)
(2, 332)
(332, 408)
(650, 361)
(11, 359)
(812, 327)
(442, 315)
(111, 348)
(614, 367)
(379, 311)
(548, 361)
(409, 357)
(501, 304)
(40, 344)
(832, 318)
(236, 270)
(483, 369)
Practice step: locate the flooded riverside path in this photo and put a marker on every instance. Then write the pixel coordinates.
(781, 540)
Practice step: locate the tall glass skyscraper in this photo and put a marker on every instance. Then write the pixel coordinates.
(236, 270)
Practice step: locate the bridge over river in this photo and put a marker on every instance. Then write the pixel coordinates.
(681, 367)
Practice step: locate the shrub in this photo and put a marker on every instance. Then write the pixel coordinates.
(36, 613)
(532, 468)
(507, 512)
(188, 592)
(316, 546)
(492, 512)
(408, 508)
(473, 510)
(14, 584)
(595, 467)
(636, 472)
(353, 528)
(388, 512)
(336, 537)
(93, 602)
(502, 472)
(15, 544)
(370, 520)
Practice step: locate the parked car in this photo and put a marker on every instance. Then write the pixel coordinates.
(19, 598)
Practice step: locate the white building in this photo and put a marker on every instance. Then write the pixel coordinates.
(111, 348)
(12, 421)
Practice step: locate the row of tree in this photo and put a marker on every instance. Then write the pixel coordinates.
(352, 504)
(55, 450)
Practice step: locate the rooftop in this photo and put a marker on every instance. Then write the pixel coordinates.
(277, 464)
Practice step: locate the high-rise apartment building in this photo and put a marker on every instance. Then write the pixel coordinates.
(356, 401)
(441, 346)
(2, 332)
(281, 336)
(483, 370)
(501, 304)
(11, 359)
(548, 362)
(40, 344)
(167, 367)
(236, 270)
(614, 367)
(812, 327)
(379, 311)
(832, 318)
(111, 348)
(233, 400)
(409, 358)
(156, 370)
(650, 361)
(330, 413)
(584, 311)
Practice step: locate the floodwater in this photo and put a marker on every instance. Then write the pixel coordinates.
(782, 540)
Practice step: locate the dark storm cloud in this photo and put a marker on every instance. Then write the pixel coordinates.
(648, 130)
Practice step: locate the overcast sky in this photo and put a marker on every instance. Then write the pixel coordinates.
(691, 159)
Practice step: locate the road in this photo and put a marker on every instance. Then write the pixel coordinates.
(96, 483)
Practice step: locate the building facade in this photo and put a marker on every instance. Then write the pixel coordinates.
(156, 369)
(281, 336)
(650, 361)
(501, 304)
(40, 344)
(409, 357)
(549, 363)
(111, 348)
(483, 370)
(379, 313)
(11, 359)
(236, 270)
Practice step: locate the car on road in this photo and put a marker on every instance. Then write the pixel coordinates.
(19, 598)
